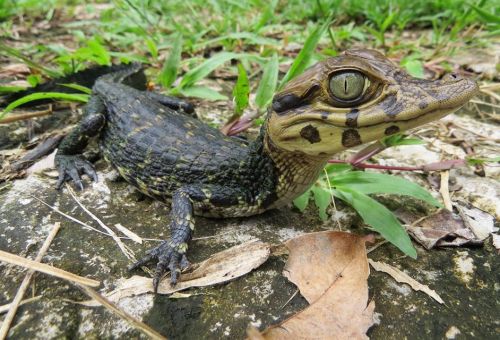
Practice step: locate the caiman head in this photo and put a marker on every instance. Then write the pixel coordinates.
(354, 98)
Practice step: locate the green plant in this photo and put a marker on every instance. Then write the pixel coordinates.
(354, 188)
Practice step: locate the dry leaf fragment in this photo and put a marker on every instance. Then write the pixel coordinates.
(13, 70)
(496, 242)
(130, 234)
(331, 271)
(444, 228)
(402, 277)
(480, 222)
(220, 267)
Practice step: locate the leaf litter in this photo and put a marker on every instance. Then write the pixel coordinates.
(471, 226)
(402, 277)
(331, 271)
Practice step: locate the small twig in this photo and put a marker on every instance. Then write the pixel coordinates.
(4, 330)
(491, 94)
(290, 299)
(71, 217)
(25, 116)
(485, 103)
(332, 198)
(139, 325)
(444, 190)
(126, 250)
(45, 268)
(5, 308)
(381, 243)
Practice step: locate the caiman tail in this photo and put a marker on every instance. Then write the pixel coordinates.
(85, 78)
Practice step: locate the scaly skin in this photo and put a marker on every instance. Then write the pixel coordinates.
(176, 158)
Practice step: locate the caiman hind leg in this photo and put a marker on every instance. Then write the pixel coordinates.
(69, 159)
(172, 102)
(171, 254)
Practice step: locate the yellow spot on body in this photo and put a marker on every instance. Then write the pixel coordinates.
(182, 248)
(207, 193)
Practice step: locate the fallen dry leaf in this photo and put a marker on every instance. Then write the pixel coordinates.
(13, 70)
(480, 222)
(443, 228)
(331, 271)
(496, 242)
(402, 277)
(220, 267)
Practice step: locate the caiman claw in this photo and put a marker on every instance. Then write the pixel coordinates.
(71, 167)
(168, 260)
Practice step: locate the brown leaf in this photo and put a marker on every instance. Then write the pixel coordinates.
(13, 70)
(331, 271)
(402, 277)
(444, 228)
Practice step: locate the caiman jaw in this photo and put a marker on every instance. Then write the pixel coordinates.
(356, 98)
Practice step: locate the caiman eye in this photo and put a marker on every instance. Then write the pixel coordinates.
(348, 85)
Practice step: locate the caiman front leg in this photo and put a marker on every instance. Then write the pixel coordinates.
(171, 254)
(69, 159)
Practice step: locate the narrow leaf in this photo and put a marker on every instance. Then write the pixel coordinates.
(44, 95)
(322, 199)
(202, 92)
(77, 87)
(302, 201)
(205, 68)
(241, 91)
(153, 49)
(378, 217)
(376, 183)
(302, 60)
(400, 139)
(267, 85)
(11, 89)
(488, 17)
(171, 66)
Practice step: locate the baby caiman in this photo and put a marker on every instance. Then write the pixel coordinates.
(157, 145)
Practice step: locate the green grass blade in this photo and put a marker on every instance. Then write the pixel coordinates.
(268, 83)
(302, 60)
(241, 91)
(45, 95)
(376, 183)
(16, 54)
(77, 87)
(400, 139)
(322, 199)
(302, 201)
(171, 66)
(202, 92)
(11, 89)
(250, 38)
(205, 68)
(379, 217)
(488, 17)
